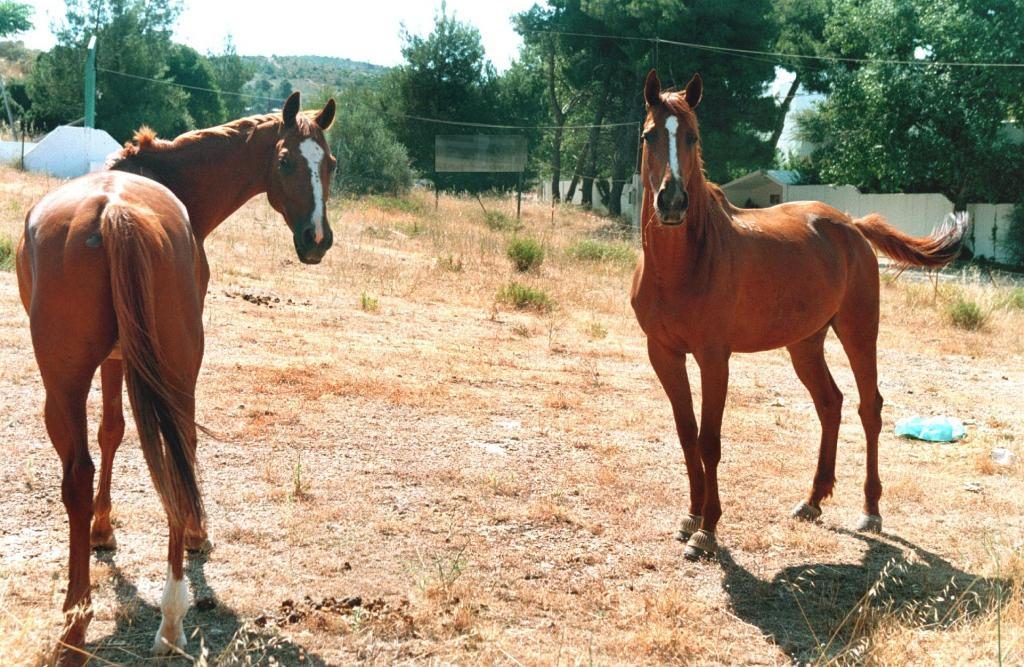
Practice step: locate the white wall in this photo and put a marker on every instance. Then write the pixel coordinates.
(630, 201)
(990, 224)
(10, 151)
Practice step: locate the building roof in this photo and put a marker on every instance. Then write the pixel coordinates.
(779, 176)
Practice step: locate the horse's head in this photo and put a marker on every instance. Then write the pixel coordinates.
(671, 153)
(300, 178)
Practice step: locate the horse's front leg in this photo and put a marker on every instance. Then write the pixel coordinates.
(670, 367)
(714, 376)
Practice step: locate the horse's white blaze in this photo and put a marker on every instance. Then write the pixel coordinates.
(672, 125)
(314, 155)
(173, 605)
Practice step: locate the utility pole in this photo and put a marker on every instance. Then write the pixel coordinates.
(90, 84)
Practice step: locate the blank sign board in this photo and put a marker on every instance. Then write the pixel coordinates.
(479, 152)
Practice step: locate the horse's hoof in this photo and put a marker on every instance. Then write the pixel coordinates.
(870, 523)
(806, 512)
(199, 546)
(701, 545)
(691, 524)
(101, 542)
(164, 646)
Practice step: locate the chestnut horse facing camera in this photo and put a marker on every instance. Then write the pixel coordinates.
(715, 279)
(112, 272)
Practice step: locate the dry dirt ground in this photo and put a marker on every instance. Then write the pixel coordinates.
(410, 471)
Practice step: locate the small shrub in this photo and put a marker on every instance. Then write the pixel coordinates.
(450, 263)
(526, 254)
(596, 330)
(368, 303)
(524, 297)
(966, 314)
(590, 250)
(499, 222)
(6, 253)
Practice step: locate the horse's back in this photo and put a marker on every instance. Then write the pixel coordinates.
(62, 241)
(63, 263)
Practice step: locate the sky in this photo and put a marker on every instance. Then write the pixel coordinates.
(355, 30)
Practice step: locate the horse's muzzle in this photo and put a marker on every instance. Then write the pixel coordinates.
(306, 247)
(671, 203)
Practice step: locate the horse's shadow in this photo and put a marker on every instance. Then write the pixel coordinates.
(827, 611)
(214, 630)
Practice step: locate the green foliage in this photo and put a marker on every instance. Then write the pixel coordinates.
(397, 204)
(1013, 241)
(15, 17)
(596, 330)
(592, 250)
(6, 253)
(527, 254)
(524, 297)
(1014, 299)
(368, 303)
(911, 128)
(133, 37)
(205, 106)
(370, 158)
(966, 314)
(500, 222)
(606, 77)
(232, 73)
(446, 76)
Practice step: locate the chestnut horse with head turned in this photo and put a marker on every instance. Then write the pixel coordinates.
(112, 272)
(715, 279)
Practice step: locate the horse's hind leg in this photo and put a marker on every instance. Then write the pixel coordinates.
(67, 361)
(859, 337)
(671, 371)
(808, 358)
(111, 432)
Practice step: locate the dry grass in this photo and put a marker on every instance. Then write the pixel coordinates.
(501, 486)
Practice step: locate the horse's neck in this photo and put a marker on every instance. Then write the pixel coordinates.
(212, 177)
(687, 253)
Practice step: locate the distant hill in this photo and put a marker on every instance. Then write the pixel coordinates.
(310, 75)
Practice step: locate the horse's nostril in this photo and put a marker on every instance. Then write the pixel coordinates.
(309, 236)
(685, 200)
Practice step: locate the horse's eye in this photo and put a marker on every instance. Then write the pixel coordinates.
(691, 138)
(332, 165)
(649, 136)
(284, 164)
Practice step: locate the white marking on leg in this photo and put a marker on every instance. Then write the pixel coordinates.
(672, 125)
(314, 154)
(173, 606)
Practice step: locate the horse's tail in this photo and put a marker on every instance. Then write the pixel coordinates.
(158, 402)
(938, 249)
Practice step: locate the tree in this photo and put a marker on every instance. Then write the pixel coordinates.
(205, 106)
(447, 77)
(370, 157)
(133, 47)
(15, 17)
(602, 60)
(925, 126)
(232, 74)
(801, 31)
(284, 89)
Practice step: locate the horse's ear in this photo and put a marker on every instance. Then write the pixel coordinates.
(694, 91)
(652, 89)
(326, 115)
(291, 109)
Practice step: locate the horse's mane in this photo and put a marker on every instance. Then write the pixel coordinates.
(145, 141)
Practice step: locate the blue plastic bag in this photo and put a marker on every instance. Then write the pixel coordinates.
(932, 429)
